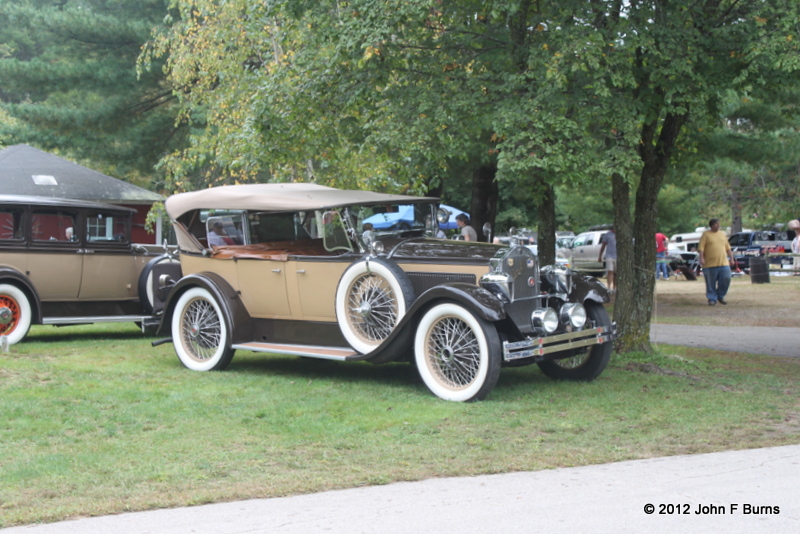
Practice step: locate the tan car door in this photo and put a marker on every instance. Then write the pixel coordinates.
(110, 269)
(312, 285)
(55, 262)
(263, 286)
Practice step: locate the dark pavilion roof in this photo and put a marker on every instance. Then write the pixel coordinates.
(25, 170)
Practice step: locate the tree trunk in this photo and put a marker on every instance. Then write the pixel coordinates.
(636, 306)
(736, 205)
(546, 212)
(483, 207)
(625, 302)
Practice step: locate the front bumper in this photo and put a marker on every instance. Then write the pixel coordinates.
(533, 347)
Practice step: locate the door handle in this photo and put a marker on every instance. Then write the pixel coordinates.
(302, 271)
(276, 270)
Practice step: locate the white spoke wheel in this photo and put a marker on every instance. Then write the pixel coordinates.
(585, 364)
(458, 354)
(371, 298)
(199, 332)
(15, 313)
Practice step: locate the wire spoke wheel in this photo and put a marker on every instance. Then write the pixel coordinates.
(372, 307)
(200, 334)
(454, 352)
(371, 299)
(201, 329)
(458, 354)
(587, 363)
(573, 362)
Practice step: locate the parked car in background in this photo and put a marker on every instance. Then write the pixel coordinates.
(747, 245)
(308, 280)
(585, 251)
(68, 262)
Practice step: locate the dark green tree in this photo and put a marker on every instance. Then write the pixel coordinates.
(68, 76)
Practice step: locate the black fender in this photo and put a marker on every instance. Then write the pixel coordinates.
(588, 288)
(9, 275)
(233, 309)
(478, 300)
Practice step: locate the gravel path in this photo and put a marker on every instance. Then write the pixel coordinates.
(768, 340)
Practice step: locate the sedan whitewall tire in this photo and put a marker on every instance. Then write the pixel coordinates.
(15, 313)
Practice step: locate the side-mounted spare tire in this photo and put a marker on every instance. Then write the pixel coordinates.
(147, 296)
(373, 295)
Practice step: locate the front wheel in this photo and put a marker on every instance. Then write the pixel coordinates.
(199, 332)
(457, 354)
(587, 364)
(15, 313)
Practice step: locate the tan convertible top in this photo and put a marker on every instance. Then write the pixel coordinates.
(278, 197)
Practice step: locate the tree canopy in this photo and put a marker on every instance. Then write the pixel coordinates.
(68, 76)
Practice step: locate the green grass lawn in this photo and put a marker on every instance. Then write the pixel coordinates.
(96, 421)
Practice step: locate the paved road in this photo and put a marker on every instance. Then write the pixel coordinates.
(773, 341)
(754, 491)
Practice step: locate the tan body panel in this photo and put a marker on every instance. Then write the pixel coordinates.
(111, 277)
(265, 282)
(313, 288)
(56, 276)
(299, 290)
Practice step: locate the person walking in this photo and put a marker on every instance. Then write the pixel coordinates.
(661, 256)
(609, 246)
(716, 258)
(467, 232)
(796, 251)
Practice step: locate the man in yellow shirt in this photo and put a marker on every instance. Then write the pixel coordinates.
(716, 258)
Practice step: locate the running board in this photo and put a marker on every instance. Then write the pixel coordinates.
(311, 351)
(97, 319)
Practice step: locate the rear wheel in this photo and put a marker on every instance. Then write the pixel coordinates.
(199, 332)
(457, 353)
(15, 313)
(585, 364)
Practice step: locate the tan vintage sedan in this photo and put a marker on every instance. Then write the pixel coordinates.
(66, 262)
(355, 275)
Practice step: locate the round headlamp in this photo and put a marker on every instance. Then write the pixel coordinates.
(545, 319)
(573, 313)
(376, 247)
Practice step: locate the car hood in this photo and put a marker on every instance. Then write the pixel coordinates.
(441, 250)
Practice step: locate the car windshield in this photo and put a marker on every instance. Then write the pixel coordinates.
(390, 218)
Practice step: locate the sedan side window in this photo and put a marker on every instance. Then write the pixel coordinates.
(11, 224)
(106, 228)
(53, 225)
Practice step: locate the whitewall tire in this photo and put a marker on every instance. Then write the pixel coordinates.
(15, 313)
(458, 355)
(199, 332)
(371, 298)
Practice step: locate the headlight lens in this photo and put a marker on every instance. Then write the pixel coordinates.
(573, 313)
(376, 247)
(545, 319)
